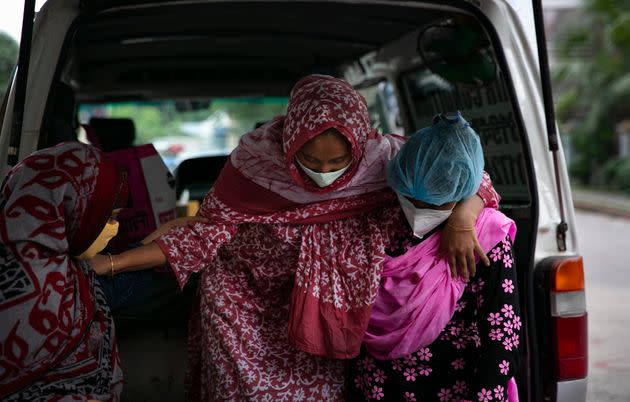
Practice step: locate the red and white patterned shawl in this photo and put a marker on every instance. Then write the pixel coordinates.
(53, 205)
(341, 251)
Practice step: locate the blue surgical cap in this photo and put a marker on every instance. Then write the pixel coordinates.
(438, 164)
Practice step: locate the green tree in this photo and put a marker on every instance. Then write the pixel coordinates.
(8, 58)
(593, 76)
(247, 112)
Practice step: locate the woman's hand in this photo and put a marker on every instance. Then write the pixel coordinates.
(101, 264)
(460, 247)
(170, 225)
(459, 239)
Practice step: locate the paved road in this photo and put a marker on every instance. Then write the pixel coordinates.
(605, 245)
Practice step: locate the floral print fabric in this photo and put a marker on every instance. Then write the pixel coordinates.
(474, 357)
(238, 347)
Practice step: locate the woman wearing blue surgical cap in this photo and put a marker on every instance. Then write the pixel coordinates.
(432, 337)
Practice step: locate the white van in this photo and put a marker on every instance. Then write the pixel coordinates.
(411, 60)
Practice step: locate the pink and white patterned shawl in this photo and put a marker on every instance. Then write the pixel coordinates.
(48, 213)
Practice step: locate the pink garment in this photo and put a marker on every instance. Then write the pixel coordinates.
(512, 391)
(417, 296)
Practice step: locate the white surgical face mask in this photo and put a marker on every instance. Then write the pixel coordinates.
(323, 179)
(422, 220)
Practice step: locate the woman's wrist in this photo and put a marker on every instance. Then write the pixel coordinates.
(463, 228)
(466, 212)
(118, 263)
(110, 257)
(462, 218)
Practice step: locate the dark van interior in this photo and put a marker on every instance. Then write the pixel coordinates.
(410, 62)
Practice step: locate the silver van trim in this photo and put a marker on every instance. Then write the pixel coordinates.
(572, 391)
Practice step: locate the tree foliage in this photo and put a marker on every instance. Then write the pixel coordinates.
(8, 58)
(594, 79)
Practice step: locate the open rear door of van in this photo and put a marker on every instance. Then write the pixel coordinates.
(21, 79)
(559, 279)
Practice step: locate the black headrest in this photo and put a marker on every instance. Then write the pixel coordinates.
(113, 134)
(198, 175)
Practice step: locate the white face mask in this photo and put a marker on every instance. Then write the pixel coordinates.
(323, 179)
(422, 220)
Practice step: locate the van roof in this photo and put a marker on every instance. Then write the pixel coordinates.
(146, 49)
(196, 48)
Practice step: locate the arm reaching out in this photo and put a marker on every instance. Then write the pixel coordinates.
(147, 256)
(164, 229)
(187, 248)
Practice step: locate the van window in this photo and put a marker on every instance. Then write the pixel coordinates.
(489, 111)
(383, 107)
(182, 129)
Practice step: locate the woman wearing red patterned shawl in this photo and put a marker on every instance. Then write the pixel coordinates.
(57, 339)
(290, 253)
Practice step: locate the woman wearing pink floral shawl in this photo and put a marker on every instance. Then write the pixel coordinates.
(290, 253)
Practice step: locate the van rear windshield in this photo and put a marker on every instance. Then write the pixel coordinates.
(186, 128)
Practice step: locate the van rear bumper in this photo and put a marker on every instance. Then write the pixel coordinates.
(572, 391)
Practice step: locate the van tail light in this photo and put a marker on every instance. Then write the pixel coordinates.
(568, 312)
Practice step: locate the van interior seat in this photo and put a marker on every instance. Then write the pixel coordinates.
(113, 133)
(197, 175)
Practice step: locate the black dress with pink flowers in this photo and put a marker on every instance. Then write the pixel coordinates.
(473, 358)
